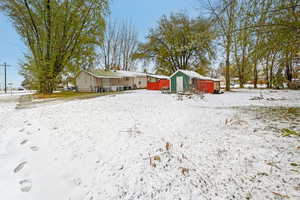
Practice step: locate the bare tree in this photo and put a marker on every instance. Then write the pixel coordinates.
(107, 49)
(119, 45)
(224, 15)
(129, 45)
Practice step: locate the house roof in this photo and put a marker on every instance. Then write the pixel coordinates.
(102, 74)
(194, 74)
(130, 73)
(158, 76)
(115, 74)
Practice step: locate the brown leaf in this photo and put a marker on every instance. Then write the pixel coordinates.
(157, 158)
(168, 146)
(184, 171)
(281, 195)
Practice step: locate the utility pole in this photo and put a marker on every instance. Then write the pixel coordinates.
(5, 65)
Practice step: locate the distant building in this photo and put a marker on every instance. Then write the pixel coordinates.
(116, 80)
(184, 80)
(157, 82)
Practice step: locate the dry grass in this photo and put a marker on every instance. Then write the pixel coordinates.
(70, 95)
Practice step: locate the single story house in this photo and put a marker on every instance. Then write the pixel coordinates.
(139, 78)
(157, 82)
(185, 80)
(101, 80)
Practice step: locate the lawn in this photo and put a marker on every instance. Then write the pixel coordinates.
(71, 95)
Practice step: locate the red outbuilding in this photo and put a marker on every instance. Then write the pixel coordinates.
(157, 82)
(207, 86)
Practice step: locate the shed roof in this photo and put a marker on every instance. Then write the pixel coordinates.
(158, 76)
(194, 74)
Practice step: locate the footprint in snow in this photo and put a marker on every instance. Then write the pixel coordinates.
(25, 185)
(23, 129)
(77, 181)
(29, 133)
(24, 142)
(34, 148)
(89, 196)
(20, 166)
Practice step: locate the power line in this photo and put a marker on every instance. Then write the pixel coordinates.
(5, 65)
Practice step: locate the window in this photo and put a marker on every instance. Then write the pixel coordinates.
(140, 82)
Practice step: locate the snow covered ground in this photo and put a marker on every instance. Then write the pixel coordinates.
(148, 145)
(15, 92)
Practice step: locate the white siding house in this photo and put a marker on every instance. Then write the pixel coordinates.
(100, 80)
(85, 82)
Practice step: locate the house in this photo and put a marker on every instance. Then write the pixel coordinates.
(185, 80)
(157, 82)
(101, 80)
(139, 79)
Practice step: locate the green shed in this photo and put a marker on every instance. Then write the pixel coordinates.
(180, 81)
(184, 80)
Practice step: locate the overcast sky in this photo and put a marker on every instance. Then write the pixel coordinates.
(144, 14)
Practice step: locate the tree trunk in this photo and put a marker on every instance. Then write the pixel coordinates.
(227, 74)
(47, 86)
(227, 67)
(255, 74)
(241, 80)
(288, 72)
(271, 70)
(267, 78)
(239, 65)
(267, 71)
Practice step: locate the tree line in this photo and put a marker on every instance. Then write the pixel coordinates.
(254, 39)
(259, 38)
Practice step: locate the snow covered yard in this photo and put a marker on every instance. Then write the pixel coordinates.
(148, 145)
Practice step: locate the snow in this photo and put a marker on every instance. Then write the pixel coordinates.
(123, 73)
(104, 148)
(158, 76)
(15, 93)
(194, 74)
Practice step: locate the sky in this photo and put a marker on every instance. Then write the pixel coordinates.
(143, 14)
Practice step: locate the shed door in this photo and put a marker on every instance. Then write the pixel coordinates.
(179, 84)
